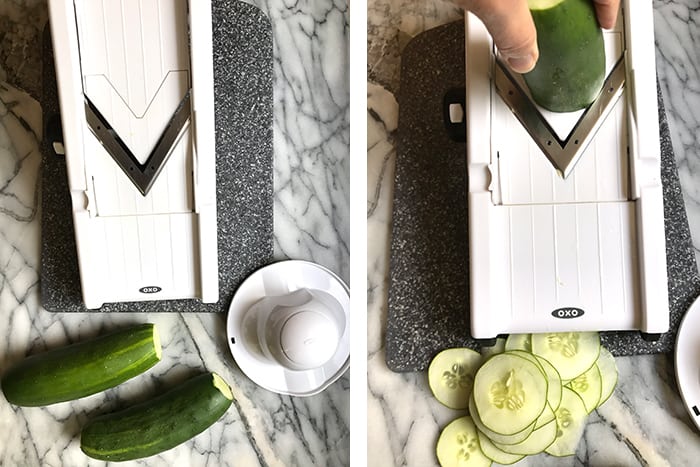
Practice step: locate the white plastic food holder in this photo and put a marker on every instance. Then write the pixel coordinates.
(688, 361)
(288, 327)
(136, 91)
(580, 246)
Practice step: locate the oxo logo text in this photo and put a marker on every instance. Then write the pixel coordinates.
(567, 312)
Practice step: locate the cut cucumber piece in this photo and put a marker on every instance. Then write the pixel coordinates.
(84, 368)
(608, 374)
(570, 70)
(451, 376)
(519, 342)
(497, 437)
(510, 393)
(538, 441)
(156, 425)
(458, 445)
(495, 454)
(571, 420)
(588, 387)
(571, 353)
(499, 347)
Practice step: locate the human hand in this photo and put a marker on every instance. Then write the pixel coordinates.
(510, 24)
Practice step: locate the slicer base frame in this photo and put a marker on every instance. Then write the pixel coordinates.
(585, 253)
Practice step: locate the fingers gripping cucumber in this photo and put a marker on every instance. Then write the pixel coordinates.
(570, 70)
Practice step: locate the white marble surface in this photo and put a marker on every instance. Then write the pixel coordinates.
(311, 222)
(645, 422)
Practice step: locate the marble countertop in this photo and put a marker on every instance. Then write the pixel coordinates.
(645, 422)
(311, 217)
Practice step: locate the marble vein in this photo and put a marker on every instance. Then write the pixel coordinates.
(678, 67)
(311, 131)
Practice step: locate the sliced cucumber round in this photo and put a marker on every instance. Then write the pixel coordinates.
(547, 416)
(571, 420)
(538, 441)
(553, 384)
(519, 342)
(458, 445)
(571, 353)
(499, 347)
(510, 393)
(588, 386)
(608, 374)
(531, 393)
(451, 376)
(497, 437)
(495, 454)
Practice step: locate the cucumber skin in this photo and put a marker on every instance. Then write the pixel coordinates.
(570, 70)
(155, 425)
(81, 369)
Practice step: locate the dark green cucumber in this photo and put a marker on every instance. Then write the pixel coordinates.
(159, 424)
(83, 368)
(571, 68)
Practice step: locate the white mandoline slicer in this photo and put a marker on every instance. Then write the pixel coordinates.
(566, 221)
(135, 82)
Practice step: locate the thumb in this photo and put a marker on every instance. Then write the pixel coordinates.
(510, 24)
(606, 11)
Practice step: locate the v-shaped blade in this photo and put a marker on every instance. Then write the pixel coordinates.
(563, 154)
(141, 175)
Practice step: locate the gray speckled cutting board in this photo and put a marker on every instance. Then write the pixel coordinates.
(243, 102)
(428, 293)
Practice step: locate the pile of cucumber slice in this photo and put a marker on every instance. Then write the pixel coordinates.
(528, 394)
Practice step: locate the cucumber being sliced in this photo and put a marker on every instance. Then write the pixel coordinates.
(538, 441)
(497, 437)
(588, 386)
(458, 445)
(608, 374)
(571, 353)
(451, 376)
(510, 393)
(495, 454)
(570, 70)
(519, 342)
(571, 420)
